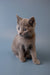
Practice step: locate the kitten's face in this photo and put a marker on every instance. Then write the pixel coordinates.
(25, 27)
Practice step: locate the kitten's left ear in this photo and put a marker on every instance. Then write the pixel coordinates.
(31, 21)
(18, 19)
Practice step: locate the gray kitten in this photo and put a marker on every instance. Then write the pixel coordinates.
(24, 43)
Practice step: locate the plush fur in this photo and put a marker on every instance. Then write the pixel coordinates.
(24, 43)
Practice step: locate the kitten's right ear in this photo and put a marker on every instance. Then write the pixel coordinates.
(31, 21)
(18, 19)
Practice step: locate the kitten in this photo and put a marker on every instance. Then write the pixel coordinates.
(24, 43)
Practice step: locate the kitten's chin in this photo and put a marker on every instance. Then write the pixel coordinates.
(26, 36)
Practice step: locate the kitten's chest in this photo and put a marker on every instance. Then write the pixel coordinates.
(27, 48)
(27, 44)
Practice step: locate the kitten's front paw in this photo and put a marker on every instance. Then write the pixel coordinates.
(37, 61)
(23, 60)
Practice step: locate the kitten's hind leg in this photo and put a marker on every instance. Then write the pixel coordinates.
(15, 51)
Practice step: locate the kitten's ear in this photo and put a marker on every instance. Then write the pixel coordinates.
(31, 21)
(18, 19)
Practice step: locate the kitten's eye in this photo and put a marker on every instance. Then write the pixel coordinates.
(18, 28)
(24, 29)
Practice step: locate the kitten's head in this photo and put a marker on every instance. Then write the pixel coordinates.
(25, 27)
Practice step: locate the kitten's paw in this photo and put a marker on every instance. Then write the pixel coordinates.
(37, 61)
(23, 60)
